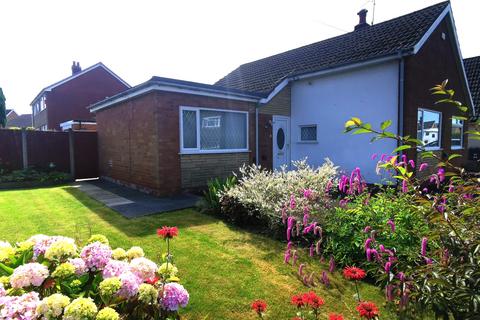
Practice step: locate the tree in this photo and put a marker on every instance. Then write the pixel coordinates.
(3, 110)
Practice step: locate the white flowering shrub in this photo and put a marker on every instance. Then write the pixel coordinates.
(263, 193)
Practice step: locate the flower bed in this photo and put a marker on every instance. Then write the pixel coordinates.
(49, 277)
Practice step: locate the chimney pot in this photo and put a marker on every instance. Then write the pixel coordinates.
(76, 67)
(362, 19)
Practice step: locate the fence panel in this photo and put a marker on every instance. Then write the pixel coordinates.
(11, 150)
(46, 147)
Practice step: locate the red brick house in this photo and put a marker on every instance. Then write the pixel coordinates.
(166, 135)
(69, 98)
(11, 114)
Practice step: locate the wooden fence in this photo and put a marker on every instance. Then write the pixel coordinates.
(74, 152)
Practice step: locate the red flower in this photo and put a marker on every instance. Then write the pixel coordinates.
(298, 301)
(354, 273)
(152, 280)
(49, 283)
(367, 310)
(167, 232)
(313, 300)
(334, 316)
(296, 318)
(259, 306)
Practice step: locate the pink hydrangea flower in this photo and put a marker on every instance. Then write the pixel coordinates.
(30, 274)
(80, 266)
(19, 307)
(130, 284)
(174, 296)
(114, 268)
(43, 242)
(143, 268)
(96, 255)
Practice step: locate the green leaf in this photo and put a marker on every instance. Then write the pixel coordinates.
(460, 118)
(427, 154)
(453, 156)
(362, 130)
(5, 270)
(401, 148)
(385, 124)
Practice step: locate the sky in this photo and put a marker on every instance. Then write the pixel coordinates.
(184, 39)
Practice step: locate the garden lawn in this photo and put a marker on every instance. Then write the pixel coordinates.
(223, 268)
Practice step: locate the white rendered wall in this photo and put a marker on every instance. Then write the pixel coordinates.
(370, 94)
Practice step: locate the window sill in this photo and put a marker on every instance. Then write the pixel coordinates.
(434, 149)
(456, 148)
(307, 142)
(186, 152)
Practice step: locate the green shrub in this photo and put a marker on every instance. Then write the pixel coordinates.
(345, 227)
(211, 197)
(34, 175)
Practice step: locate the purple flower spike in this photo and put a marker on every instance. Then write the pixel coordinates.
(374, 156)
(325, 279)
(293, 203)
(428, 260)
(441, 174)
(307, 193)
(391, 224)
(423, 166)
(284, 214)
(295, 257)
(389, 292)
(367, 229)
(367, 243)
(289, 245)
(401, 276)
(317, 247)
(300, 269)
(312, 250)
(331, 266)
(451, 188)
(382, 248)
(404, 186)
(423, 250)
(369, 254)
(388, 266)
(411, 163)
(287, 256)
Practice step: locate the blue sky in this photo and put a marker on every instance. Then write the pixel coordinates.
(191, 40)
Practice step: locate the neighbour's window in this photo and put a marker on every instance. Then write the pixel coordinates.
(457, 133)
(308, 133)
(212, 130)
(429, 125)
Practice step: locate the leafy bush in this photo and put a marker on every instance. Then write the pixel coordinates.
(211, 201)
(51, 278)
(344, 227)
(34, 175)
(260, 194)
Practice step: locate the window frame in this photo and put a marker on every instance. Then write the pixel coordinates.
(306, 126)
(439, 147)
(198, 149)
(452, 147)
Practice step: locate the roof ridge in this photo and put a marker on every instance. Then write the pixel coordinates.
(351, 32)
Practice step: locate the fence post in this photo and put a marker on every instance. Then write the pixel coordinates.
(71, 144)
(24, 149)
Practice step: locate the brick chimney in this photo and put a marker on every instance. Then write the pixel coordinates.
(362, 23)
(76, 67)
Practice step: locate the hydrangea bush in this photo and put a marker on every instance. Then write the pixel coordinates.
(49, 277)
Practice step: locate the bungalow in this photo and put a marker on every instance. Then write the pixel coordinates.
(165, 135)
(472, 68)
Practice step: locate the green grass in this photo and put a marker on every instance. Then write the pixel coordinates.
(223, 268)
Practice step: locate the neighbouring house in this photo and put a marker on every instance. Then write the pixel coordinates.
(11, 114)
(68, 99)
(20, 121)
(472, 68)
(165, 135)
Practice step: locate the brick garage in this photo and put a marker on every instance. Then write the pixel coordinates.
(139, 140)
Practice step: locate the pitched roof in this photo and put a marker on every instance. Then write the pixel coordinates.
(22, 121)
(472, 69)
(399, 35)
(8, 111)
(76, 75)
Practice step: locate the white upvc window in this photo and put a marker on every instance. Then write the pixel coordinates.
(457, 134)
(308, 133)
(204, 130)
(429, 128)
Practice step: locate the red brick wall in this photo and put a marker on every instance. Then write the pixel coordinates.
(141, 138)
(70, 100)
(265, 141)
(435, 62)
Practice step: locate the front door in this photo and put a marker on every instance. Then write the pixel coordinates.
(281, 141)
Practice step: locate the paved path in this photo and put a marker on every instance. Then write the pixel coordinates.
(132, 203)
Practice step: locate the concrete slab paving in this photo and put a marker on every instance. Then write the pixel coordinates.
(132, 203)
